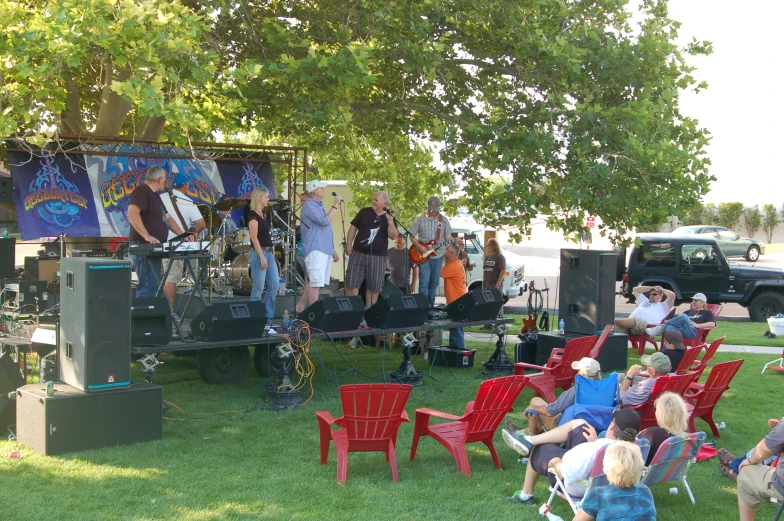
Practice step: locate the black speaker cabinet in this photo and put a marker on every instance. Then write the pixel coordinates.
(72, 421)
(38, 268)
(230, 321)
(333, 314)
(10, 375)
(587, 300)
(7, 257)
(613, 356)
(6, 190)
(480, 304)
(398, 311)
(151, 321)
(95, 323)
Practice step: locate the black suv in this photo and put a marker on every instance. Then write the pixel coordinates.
(689, 264)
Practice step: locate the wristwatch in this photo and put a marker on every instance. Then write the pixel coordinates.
(627, 377)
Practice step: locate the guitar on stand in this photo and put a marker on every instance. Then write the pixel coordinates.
(417, 258)
(529, 324)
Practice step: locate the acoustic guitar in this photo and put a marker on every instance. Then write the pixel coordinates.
(417, 258)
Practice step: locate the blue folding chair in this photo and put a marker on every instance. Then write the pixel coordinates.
(595, 401)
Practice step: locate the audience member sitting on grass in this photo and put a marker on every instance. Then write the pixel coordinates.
(623, 499)
(573, 460)
(549, 413)
(729, 465)
(672, 347)
(689, 321)
(636, 389)
(672, 418)
(651, 309)
(758, 483)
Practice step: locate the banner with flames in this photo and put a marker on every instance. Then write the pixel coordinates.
(86, 195)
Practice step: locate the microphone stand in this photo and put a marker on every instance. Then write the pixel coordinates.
(343, 225)
(407, 261)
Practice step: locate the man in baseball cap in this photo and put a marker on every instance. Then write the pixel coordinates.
(687, 323)
(672, 347)
(635, 391)
(587, 367)
(313, 185)
(430, 233)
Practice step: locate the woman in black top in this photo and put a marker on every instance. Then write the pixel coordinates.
(261, 258)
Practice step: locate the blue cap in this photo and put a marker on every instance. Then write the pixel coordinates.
(180, 179)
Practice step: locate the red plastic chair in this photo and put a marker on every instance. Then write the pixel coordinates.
(481, 419)
(638, 341)
(707, 396)
(600, 343)
(700, 365)
(702, 333)
(372, 414)
(557, 372)
(677, 384)
(688, 360)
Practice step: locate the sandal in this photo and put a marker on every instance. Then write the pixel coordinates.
(772, 423)
(724, 456)
(728, 472)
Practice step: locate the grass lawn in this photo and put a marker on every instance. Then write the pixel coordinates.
(738, 333)
(229, 457)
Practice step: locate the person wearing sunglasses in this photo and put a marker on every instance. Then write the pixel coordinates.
(653, 304)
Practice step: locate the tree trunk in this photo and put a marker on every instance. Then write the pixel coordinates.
(114, 108)
(152, 128)
(71, 118)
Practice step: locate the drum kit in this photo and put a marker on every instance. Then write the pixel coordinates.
(230, 247)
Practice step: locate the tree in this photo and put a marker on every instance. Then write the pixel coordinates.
(575, 104)
(770, 220)
(711, 214)
(729, 215)
(753, 218)
(694, 215)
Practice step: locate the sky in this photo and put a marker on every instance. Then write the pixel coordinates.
(742, 106)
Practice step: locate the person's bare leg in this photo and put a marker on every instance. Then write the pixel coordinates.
(558, 435)
(309, 296)
(628, 323)
(352, 292)
(372, 297)
(534, 423)
(530, 479)
(555, 464)
(170, 288)
(746, 512)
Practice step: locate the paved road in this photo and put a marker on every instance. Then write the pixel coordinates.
(542, 265)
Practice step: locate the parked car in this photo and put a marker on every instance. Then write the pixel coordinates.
(731, 243)
(694, 263)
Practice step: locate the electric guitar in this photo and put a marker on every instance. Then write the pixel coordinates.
(529, 324)
(417, 258)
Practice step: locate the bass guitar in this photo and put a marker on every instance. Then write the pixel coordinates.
(417, 258)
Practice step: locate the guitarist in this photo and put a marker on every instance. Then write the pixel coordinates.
(427, 227)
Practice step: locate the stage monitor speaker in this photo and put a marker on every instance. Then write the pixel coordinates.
(230, 321)
(398, 311)
(7, 257)
(477, 305)
(151, 321)
(41, 268)
(95, 323)
(71, 420)
(333, 314)
(6, 189)
(10, 375)
(587, 299)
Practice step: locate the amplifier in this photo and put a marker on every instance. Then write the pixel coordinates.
(396, 310)
(72, 420)
(230, 321)
(151, 321)
(333, 314)
(477, 305)
(41, 268)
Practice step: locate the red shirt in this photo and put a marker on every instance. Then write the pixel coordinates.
(454, 280)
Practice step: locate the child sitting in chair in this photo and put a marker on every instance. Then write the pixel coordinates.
(624, 499)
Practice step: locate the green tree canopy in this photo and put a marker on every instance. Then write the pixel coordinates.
(729, 215)
(573, 104)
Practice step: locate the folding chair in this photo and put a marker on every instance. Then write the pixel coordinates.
(594, 401)
(596, 478)
(779, 367)
(673, 459)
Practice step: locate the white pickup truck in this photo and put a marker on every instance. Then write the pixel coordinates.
(474, 246)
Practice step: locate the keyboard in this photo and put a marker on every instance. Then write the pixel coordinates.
(167, 249)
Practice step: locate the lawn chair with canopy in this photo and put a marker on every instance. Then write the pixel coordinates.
(673, 459)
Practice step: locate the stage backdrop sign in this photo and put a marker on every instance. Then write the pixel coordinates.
(86, 195)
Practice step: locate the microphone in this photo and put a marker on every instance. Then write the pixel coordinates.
(389, 210)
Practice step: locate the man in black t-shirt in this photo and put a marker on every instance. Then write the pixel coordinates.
(688, 322)
(367, 242)
(149, 223)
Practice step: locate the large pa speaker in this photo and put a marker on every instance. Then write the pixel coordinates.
(230, 321)
(480, 304)
(71, 420)
(333, 314)
(613, 356)
(6, 190)
(587, 300)
(151, 322)
(7, 257)
(398, 311)
(10, 375)
(95, 323)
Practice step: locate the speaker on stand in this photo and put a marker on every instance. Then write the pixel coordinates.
(477, 305)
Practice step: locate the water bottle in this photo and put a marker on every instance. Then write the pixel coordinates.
(722, 426)
(230, 293)
(561, 327)
(674, 491)
(286, 319)
(5, 233)
(282, 286)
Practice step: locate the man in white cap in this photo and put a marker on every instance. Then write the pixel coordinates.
(688, 322)
(317, 244)
(550, 413)
(431, 227)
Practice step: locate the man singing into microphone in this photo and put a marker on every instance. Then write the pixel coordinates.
(367, 242)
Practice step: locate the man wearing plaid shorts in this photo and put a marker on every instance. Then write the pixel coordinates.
(367, 242)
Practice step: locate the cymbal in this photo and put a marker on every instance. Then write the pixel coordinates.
(277, 206)
(228, 203)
